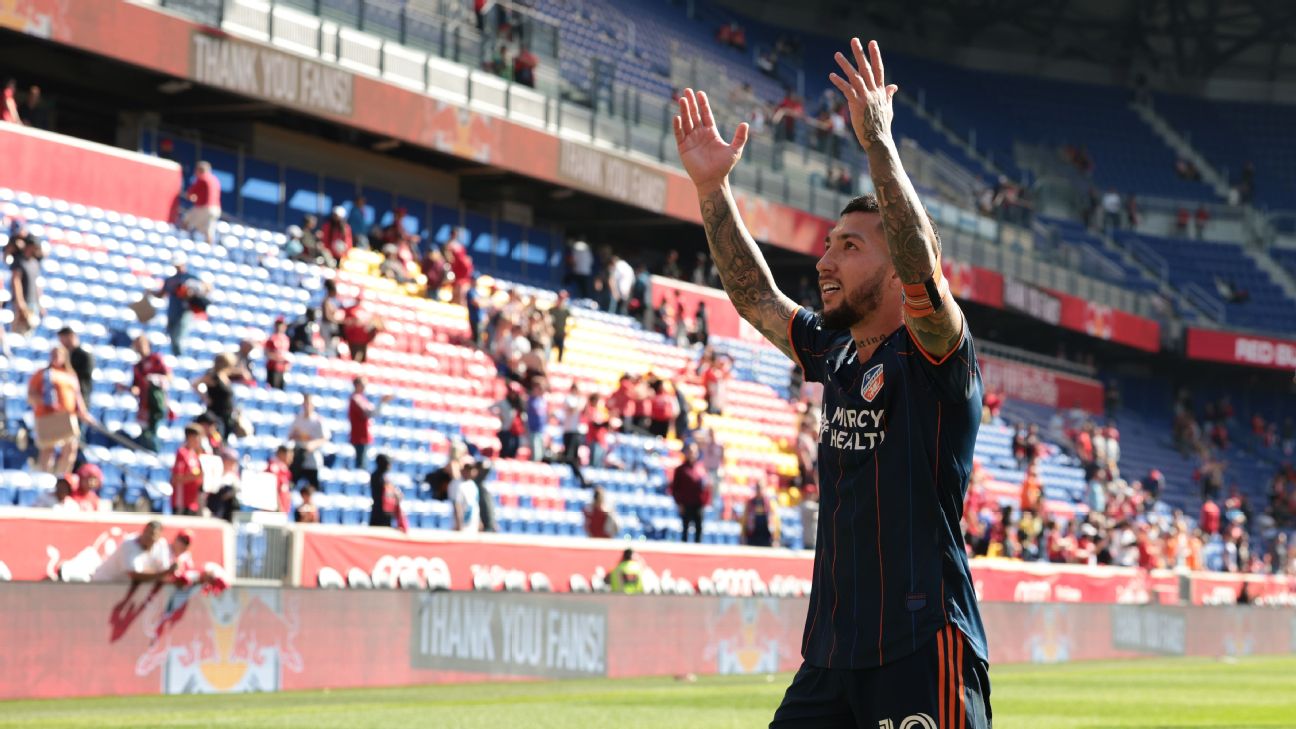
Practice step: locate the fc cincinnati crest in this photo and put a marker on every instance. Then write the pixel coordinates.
(872, 383)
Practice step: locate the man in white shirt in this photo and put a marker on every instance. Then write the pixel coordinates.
(1111, 206)
(310, 434)
(621, 278)
(145, 557)
(465, 499)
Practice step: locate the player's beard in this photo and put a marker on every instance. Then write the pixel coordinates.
(858, 303)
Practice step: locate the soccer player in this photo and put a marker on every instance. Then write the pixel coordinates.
(893, 637)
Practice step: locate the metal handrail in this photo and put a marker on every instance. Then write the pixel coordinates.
(1206, 302)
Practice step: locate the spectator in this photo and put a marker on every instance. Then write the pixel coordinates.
(580, 270)
(280, 467)
(9, 103)
(1181, 221)
(621, 279)
(510, 410)
(1131, 211)
(307, 512)
(533, 364)
(359, 221)
(573, 407)
(141, 558)
(26, 253)
(712, 454)
(55, 399)
(1186, 170)
(701, 326)
(205, 194)
(641, 296)
(537, 416)
(787, 114)
(661, 409)
(559, 317)
(310, 434)
(224, 501)
(278, 354)
(82, 362)
(358, 332)
(993, 404)
(476, 317)
(179, 289)
(715, 380)
(62, 498)
(336, 236)
(217, 390)
(386, 497)
(435, 272)
(691, 489)
(150, 381)
(626, 577)
(303, 333)
(1032, 491)
(761, 526)
(524, 67)
(596, 421)
(187, 474)
(463, 492)
(1111, 206)
(1209, 520)
(392, 267)
(361, 412)
(600, 519)
(330, 317)
(85, 492)
(671, 267)
(311, 250)
(1201, 218)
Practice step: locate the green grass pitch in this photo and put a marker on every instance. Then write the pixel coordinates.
(1165, 694)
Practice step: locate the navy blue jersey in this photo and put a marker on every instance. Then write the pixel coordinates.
(895, 451)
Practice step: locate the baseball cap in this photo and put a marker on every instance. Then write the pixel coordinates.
(90, 470)
(186, 535)
(340, 211)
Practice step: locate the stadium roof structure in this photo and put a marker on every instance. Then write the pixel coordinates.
(1183, 42)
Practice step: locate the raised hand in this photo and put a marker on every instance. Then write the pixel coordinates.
(707, 158)
(867, 94)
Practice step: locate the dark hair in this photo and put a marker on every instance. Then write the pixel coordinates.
(868, 203)
(627, 555)
(192, 430)
(382, 463)
(281, 449)
(65, 330)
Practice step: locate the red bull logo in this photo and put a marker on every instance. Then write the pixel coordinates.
(239, 641)
(747, 635)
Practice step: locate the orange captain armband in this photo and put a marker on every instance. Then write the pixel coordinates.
(926, 297)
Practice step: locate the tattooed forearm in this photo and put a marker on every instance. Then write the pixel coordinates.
(743, 271)
(915, 248)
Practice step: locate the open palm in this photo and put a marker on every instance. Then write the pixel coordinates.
(707, 158)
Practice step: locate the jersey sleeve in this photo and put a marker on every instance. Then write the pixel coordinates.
(810, 343)
(956, 376)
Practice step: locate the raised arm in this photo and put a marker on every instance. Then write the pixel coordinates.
(933, 317)
(746, 277)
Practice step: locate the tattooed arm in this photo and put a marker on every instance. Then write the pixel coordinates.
(910, 234)
(708, 160)
(743, 271)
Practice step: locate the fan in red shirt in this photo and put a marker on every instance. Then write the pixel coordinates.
(360, 411)
(1209, 519)
(461, 266)
(205, 194)
(994, 401)
(87, 481)
(622, 403)
(187, 474)
(662, 409)
(278, 359)
(357, 332)
(281, 468)
(335, 235)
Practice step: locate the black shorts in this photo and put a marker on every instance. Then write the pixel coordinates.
(941, 686)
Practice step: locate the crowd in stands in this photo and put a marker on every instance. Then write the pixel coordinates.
(1121, 524)
(30, 109)
(504, 37)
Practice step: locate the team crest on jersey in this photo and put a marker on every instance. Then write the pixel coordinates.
(872, 383)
